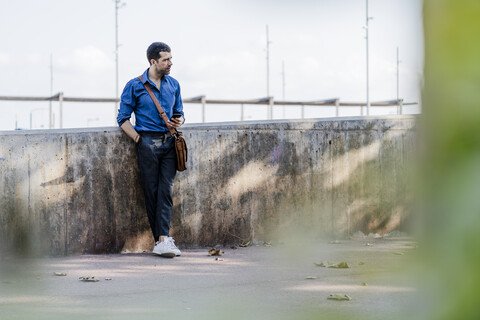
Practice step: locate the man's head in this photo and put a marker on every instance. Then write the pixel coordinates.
(160, 58)
(153, 51)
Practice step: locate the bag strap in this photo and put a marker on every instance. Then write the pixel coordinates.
(162, 113)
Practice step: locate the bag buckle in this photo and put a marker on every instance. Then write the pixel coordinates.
(177, 135)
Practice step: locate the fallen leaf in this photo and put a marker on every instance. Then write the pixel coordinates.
(364, 284)
(339, 297)
(244, 244)
(60, 274)
(340, 265)
(320, 264)
(88, 279)
(311, 278)
(368, 244)
(361, 263)
(218, 259)
(108, 279)
(215, 252)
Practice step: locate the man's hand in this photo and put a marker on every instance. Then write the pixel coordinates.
(176, 122)
(130, 131)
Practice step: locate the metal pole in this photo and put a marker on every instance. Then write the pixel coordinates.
(60, 103)
(398, 82)
(283, 87)
(204, 100)
(118, 5)
(368, 89)
(268, 64)
(270, 108)
(337, 108)
(116, 56)
(303, 111)
(242, 110)
(50, 108)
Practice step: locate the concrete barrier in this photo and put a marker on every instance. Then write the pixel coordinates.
(77, 191)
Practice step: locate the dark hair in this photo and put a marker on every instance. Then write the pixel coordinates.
(153, 51)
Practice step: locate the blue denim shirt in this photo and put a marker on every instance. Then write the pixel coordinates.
(135, 98)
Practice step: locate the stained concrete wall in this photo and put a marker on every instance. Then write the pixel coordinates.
(78, 191)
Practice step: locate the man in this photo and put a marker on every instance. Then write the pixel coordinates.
(154, 143)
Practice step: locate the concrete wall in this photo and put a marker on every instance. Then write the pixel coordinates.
(77, 191)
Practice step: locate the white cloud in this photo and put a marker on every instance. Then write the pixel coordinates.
(237, 71)
(310, 64)
(4, 59)
(87, 60)
(34, 58)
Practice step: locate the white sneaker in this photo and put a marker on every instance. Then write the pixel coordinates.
(173, 247)
(164, 249)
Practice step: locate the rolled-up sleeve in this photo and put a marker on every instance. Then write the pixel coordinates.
(127, 103)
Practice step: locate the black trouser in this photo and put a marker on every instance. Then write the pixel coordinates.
(157, 162)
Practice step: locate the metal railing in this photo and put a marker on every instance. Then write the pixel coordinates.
(268, 101)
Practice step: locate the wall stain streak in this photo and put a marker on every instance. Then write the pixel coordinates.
(78, 191)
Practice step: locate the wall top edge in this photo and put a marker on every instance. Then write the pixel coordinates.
(293, 124)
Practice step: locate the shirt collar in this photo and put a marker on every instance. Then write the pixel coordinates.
(146, 78)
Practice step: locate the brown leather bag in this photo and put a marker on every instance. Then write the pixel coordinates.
(180, 144)
(182, 152)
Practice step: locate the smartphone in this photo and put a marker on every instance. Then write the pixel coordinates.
(176, 115)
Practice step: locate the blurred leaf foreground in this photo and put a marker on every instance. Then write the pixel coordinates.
(449, 171)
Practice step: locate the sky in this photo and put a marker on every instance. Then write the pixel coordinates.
(218, 48)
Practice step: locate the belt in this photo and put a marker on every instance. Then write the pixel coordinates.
(155, 133)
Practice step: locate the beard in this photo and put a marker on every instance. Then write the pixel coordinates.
(163, 71)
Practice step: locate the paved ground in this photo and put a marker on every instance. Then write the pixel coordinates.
(258, 282)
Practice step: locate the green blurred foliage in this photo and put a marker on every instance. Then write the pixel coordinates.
(450, 164)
